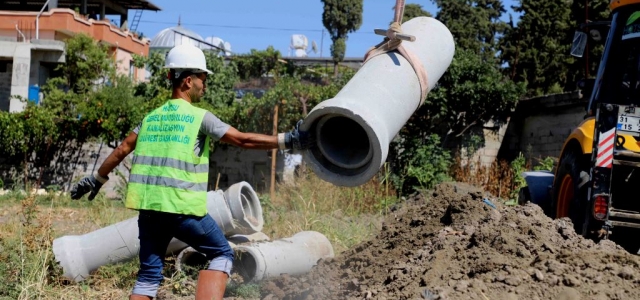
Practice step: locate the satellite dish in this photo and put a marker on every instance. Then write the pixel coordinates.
(314, 47)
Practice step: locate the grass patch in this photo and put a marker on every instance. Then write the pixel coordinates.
(346, 215)
(29, 224)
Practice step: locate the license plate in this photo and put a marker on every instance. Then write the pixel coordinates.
(629, 123)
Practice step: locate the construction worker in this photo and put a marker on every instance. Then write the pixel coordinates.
(169, 175)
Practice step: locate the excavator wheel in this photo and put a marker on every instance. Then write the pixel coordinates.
(570, 192)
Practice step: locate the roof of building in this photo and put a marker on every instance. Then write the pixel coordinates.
(36, 5)
(178, 35)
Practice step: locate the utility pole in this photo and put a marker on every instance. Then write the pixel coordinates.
(274, 152)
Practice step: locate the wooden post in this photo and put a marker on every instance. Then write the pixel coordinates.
(274, 152)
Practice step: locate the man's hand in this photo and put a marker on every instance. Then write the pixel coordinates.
(85, 185)
(298, 140)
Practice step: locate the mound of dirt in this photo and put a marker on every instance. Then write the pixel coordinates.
(451, 245)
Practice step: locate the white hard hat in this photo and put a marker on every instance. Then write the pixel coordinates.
(186, 57)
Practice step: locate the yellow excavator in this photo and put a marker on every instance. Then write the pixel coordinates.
(595, 183)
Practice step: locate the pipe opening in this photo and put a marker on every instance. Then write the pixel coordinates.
(190, 261)
(245, 265)
(252, 211)
(195, 259)
(343, 145)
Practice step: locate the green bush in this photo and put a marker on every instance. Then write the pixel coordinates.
(422, 166)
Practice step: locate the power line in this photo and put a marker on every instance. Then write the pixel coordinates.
(234, 27)
(244, 27)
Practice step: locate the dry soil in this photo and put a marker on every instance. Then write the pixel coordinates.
(448, 244)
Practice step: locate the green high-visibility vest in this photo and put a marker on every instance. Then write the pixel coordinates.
(166, 174)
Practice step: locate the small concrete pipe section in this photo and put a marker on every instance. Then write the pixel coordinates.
(354, 129)
(293, 256)
(79, 255)
(245, 208)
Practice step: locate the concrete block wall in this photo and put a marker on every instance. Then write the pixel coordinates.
(235, 164)
(91, 156)
(232, 163)
(492, 135)
(65, 169)
(544, 135)
(539, 126)
(484, 140)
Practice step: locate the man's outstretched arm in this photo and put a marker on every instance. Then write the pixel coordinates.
(93, 183)
(118, 155)
(250, 140)
(294, 139)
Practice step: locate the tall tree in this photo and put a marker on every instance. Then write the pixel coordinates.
(414, 10)
(341, 17)
(87, 63)
(475, 24)
(471, 92)
(537, 50)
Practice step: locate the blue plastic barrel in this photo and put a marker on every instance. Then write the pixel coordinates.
(540, 183)
(34, 94)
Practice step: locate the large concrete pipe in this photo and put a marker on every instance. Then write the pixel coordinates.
(79, 255)
(354, 129)
(293, 256)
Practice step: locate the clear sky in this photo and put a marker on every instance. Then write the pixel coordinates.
(256, 24)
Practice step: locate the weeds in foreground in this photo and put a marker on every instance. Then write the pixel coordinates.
(501, 178)
(29, 224)
(26, 252)
(346, 215)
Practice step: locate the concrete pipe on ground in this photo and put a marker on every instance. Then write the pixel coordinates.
(79, 255)
(293, 256)
(245, 207)
(354, 129)
(191, 257)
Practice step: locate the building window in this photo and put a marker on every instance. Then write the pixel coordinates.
(131, 69)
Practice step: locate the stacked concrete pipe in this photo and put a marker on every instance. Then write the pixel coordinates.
(354, 129)
(79, 255)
